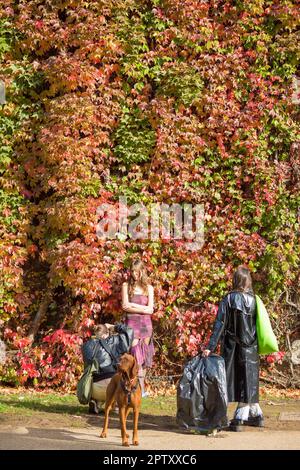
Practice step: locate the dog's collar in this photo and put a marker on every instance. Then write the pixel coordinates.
(132, 389)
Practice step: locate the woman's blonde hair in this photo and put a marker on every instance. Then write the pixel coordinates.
(139, 268)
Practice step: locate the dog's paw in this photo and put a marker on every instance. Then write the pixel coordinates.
(125, 444)
(135, 443)
(127, 436)
(103, 435)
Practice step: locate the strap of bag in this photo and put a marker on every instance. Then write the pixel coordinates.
(96, 348)
(108, 350)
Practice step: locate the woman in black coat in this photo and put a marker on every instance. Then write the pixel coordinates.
(235, 329)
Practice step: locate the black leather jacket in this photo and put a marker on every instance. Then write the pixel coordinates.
(116, 345)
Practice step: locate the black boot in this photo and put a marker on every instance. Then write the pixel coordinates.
(257, 421)
(236, 425)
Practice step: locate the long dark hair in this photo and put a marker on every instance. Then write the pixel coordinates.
(242, 280)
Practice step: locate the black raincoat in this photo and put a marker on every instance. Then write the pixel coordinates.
(235, 329)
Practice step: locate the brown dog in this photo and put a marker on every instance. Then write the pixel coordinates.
(124, 388)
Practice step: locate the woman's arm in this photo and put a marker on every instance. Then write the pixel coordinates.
(132, 307)
(148, 309)
(126, 305)
(218, 327)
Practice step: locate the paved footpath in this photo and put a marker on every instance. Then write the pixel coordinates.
(19, 437)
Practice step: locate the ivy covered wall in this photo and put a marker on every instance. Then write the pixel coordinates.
(160, 101)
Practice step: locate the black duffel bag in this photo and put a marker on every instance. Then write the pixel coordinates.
(202, 394)
(107, 351)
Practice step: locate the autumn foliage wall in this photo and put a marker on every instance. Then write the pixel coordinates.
(159, 101)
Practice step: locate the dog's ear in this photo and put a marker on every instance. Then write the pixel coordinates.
(134, 368)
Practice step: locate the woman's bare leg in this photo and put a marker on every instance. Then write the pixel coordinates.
(141, 376)
(142, 371)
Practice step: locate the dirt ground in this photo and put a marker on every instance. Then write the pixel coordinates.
(272, 411)
(44, 430)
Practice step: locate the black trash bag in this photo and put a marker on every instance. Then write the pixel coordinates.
(107, 351)
(202, 394)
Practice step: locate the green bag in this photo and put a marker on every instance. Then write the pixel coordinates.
(84, 386)
(267, 342)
